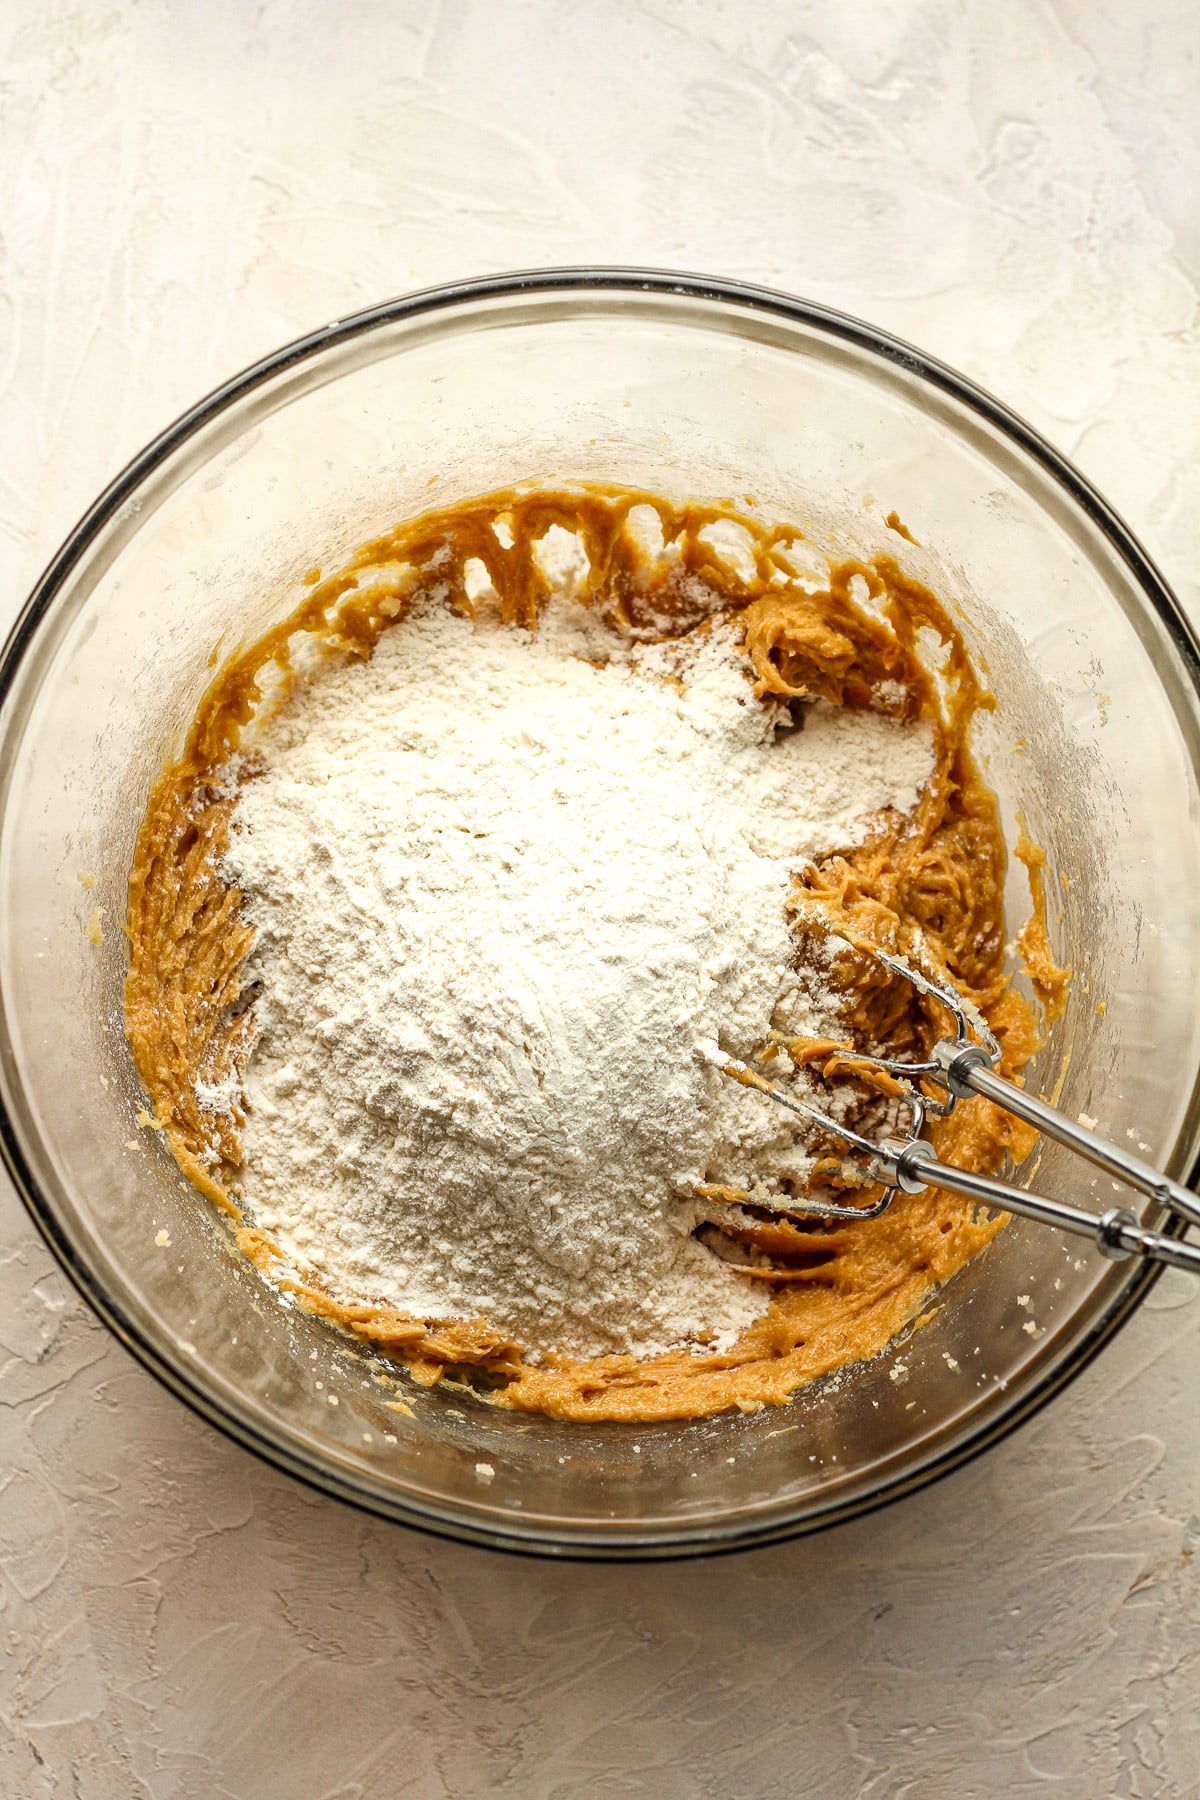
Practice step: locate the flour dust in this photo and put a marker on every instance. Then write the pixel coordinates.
(502, 896)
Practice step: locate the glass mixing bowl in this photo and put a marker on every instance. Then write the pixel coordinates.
(696, 388)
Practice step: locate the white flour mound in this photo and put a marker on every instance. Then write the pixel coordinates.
(501, 898)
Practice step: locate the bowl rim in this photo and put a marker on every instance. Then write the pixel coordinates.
(534, 1537)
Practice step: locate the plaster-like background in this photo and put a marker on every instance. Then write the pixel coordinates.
(1014, 187)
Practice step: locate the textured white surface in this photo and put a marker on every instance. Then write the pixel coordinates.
(1015, 188)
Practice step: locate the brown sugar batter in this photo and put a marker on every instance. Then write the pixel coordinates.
(928, 883)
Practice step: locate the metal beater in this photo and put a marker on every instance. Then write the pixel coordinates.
(961, 1065)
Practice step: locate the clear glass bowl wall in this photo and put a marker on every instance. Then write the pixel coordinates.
(694, 393)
